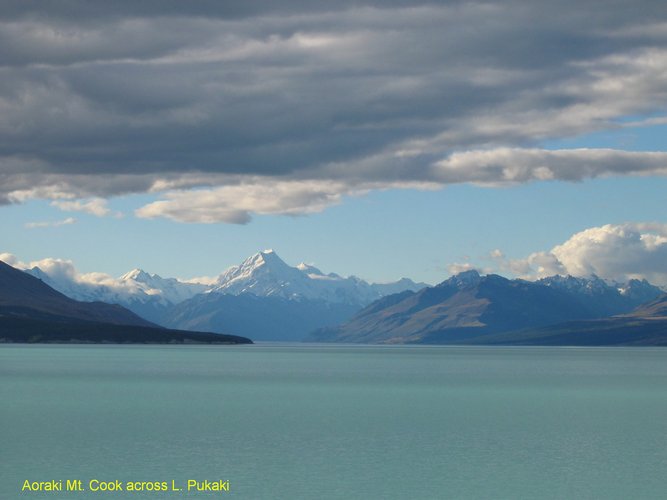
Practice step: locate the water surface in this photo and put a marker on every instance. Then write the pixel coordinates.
(303, 421)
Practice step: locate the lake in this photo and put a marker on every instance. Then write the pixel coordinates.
(320, 421)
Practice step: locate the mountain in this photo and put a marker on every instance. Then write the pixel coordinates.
(604, 298)
(167, 289)
(153, 296)
(262, 275)
(265, 274)
(640, 291)
(19, 290)
(655, 309)
(147, 295)
(467, 306)
(270, 300)
(32, 311)
(383, 289)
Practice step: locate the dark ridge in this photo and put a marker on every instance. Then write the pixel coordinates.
(19, 289)
(26, 326)
(33, 312)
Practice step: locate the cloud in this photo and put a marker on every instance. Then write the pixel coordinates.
(58, 223)
(95, 206)
(613, 251)
(235, 204)
(63, 275)
(459, 267)
(11, 259)
(515, 165)
(101, 100)
(202, 280)
(57, 269)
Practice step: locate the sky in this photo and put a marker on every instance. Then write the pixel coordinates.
(376, 139)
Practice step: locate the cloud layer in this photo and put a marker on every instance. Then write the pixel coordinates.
(285, 107)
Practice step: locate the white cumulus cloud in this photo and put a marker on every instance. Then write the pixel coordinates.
(614, 251)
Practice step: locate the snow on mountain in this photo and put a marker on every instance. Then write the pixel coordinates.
(66, 283)
(170, 289)
(463, 280)
(265, 274)
(641, 290)
(618, 297)
(314, 273)
(588, 286)
(137, 286)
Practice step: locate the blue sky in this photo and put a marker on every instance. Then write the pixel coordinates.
(382, 140)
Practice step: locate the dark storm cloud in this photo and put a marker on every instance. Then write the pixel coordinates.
(106, 98)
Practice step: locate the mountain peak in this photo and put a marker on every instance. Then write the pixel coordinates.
(590, 285)
(464, 279)
(39, 274)
(135, 274)
(470, 273)
(254, 272)
(308, 269)
(265, 274)
(270, 256)
(266, 257)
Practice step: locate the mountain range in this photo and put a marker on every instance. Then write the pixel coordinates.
(32, 311)
(263, 297)
(468, 308)
(266, 299)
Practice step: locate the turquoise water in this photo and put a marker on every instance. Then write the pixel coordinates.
(301, 421)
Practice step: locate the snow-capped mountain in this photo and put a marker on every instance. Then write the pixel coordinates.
(170, 289)
(135, 286)
(266, 298)
(270, 300)
(267, 275)
(593, 285)
(147, 295)
(263, 275)
(612, 297)
(465, 279)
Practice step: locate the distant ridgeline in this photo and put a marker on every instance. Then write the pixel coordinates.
(262, 298)
(473, 309)
(31, 311)
(265, 299)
